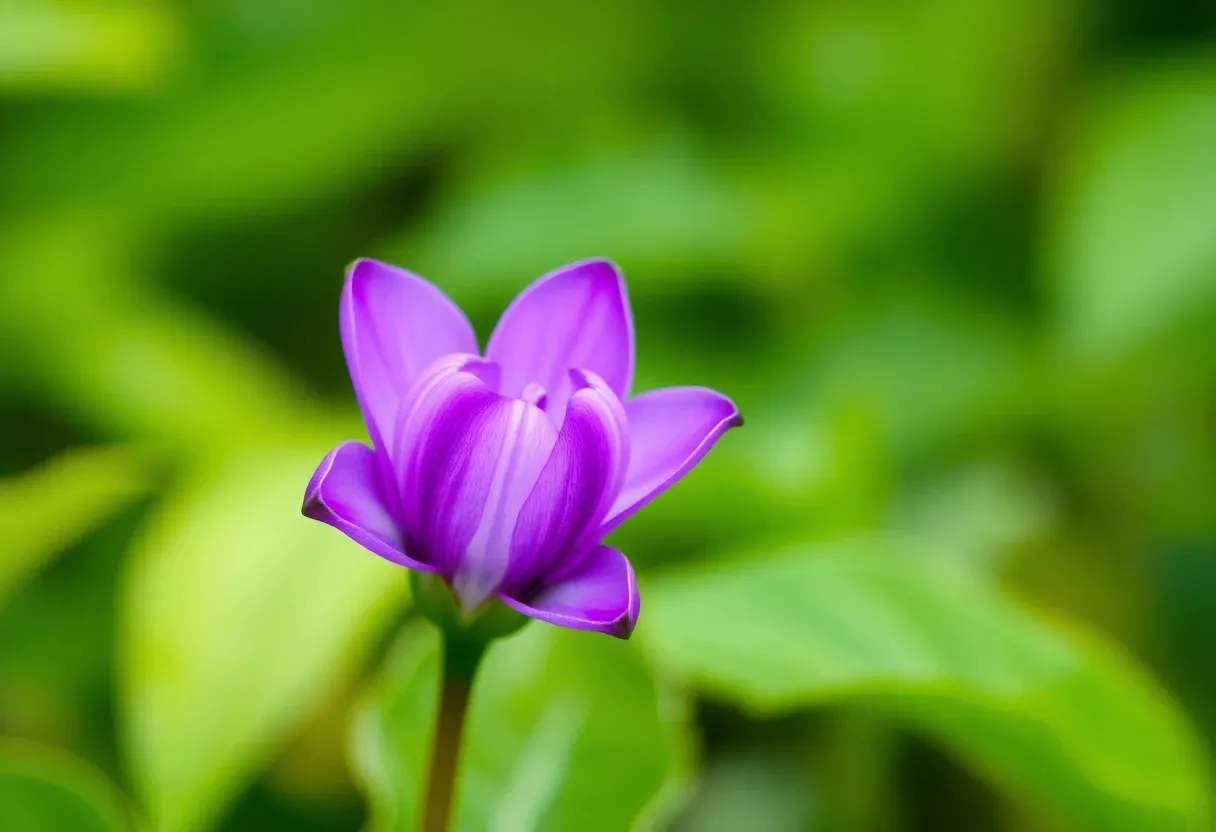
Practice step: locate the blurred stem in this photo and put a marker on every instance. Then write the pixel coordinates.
(460, 660)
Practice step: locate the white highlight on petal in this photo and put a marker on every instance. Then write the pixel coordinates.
(527, 444)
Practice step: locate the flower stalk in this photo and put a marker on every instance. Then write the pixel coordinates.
(463, 643)
(459, 664)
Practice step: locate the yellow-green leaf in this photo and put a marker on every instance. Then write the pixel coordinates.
(46, 510)
(239, 618)
(1133, 251)
(105, 47)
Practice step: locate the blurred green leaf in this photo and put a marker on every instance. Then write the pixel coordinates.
(1133, 251)
(663, 210)
(978, 513)
(44, 511)
(802, 473)
(930, 367)
(566, 731)
(239, 618)
(58, 45)
(1058, 718)
(129, 360)
(751, 791)
(894, 107)
(295, 116)
(44, 790)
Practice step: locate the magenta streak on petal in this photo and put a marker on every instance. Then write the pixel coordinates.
(602, 595)
(671, 429)
(527, 442)
(576, 316)
(347, 493)
(560, 519)
(442, 468)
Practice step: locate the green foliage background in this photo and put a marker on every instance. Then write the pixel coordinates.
(955, 259)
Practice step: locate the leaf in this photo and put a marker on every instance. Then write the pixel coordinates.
(238, 619)
(46, 510)
(566, 731)
(1132, 251)
(72, 46)
(125, 357)
(663, 210)
(303, 110)
(45, 789)
(1058, 718)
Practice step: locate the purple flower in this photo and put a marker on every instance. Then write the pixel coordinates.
(504, 473)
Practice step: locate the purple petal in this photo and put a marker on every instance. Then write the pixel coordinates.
(348, 493)
(467, 458)
(394, 324)
(576, 488)
(575, 317)
(671, 429)
(602, 595)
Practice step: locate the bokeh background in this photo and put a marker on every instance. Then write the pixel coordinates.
(955, 259)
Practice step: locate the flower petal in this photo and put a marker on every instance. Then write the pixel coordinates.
(577, 316)
(581, 479)
(671, 429)
(348, 493)
(394, 324)
(467, 458)
(602, 595)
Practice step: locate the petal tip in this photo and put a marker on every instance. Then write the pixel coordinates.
(622, 628)
(734, 419)
(360, 269)
(625, 623)
(602, 262)
(629, 619)
(314, 506)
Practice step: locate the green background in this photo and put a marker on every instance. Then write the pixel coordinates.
(954, 259)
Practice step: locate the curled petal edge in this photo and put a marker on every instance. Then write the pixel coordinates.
(602, 596)
(347, 492)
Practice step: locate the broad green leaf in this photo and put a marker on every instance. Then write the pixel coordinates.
(44, 511)
(239, 617)
(110, 47)
(566, 731)
(1061, 719)
(45, 789)
(1132, 251)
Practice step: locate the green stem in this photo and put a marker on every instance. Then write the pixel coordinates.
(460, 659)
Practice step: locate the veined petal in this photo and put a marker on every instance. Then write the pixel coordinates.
(586, 470)
(671, 429)
(394, 324)
(348, 493)
(602, 595)
(577, 316)
(467, 459)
